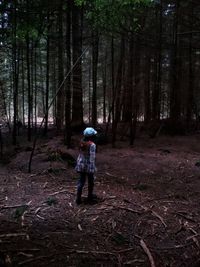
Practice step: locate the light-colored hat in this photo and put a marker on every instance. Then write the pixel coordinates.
(89, 131)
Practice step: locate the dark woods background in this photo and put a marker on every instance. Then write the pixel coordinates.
(124, 63)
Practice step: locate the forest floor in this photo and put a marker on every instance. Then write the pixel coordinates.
(147, 213)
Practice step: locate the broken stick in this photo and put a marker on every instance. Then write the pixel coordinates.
(147, 251)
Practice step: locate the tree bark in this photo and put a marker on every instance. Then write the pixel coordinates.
(77, 101)
(68, 81)
(60, 96)
(95, 52)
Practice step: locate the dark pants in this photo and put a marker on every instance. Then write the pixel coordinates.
(81, 183)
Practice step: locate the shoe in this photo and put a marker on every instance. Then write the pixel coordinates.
(78, 201)
(92, 199)
(92, 196)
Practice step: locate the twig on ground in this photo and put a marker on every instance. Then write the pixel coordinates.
(60, 192)
(185, 216)
(125, 250)
(124, 208)
(193, 231)
(23, 218)
(13, 235)
(25, 254)
(33, 259)
(131, 262)
(45, 184)
(159, 217)
(37, 210)
(147, 251)
(172, 247)
(21, 249)
(95, 252)
(40, 217)
(111, 175)
(16, 206)
(129, 209)
(108, 198)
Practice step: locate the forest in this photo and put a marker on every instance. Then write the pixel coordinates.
(130, 70)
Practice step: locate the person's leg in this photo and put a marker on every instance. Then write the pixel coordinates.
(81, 183)
(90, 186)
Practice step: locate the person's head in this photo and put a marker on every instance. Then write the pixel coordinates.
(89, 134)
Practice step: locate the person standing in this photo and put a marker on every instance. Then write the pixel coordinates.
(85, 164)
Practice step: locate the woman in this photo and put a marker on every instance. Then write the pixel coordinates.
(86, 163)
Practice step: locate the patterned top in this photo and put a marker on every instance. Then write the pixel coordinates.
(86, 158)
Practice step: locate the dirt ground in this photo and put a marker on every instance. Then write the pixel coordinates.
(147, 214)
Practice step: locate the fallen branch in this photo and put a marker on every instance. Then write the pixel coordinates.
(147, 251)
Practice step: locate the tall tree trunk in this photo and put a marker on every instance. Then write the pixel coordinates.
(190, 97)
(104, 80)
(15, 61)
(156, 99)
(47, 78)
(77, 102)
(89, 88)
(147, 95)
(175, 96)
(60, 96)
(30, 100)
(112, 98)
(23, 88)
(95, 53)
(130, 86)
(118, 88)
(136, 92)
(36, 89)
(68, 81)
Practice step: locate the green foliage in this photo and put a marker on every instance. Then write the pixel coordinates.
(119, 238)
(20, 211)
(115, 16)
(54, 156)
(141, 187)
(51, 201)
(55, 171)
